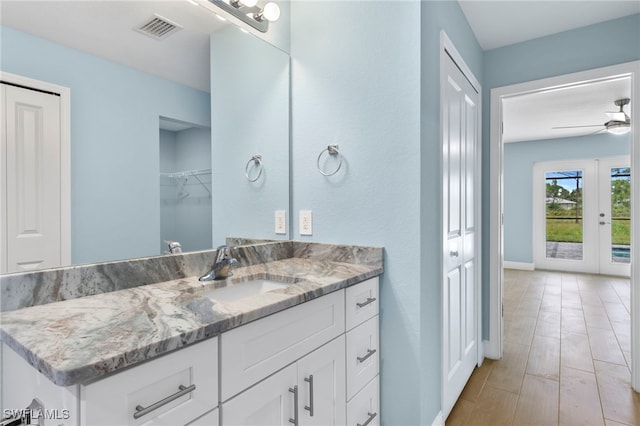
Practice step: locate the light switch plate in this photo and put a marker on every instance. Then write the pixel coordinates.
(306, 222)
(280, 222)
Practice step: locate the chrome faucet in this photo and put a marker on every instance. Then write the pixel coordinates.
(222, 268)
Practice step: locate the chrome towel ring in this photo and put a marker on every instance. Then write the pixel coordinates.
(331, 150)
(257, 163)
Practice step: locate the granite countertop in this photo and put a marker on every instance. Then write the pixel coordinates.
(78, 341)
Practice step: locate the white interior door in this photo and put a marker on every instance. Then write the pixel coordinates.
(614, 216)
(460, 115)
(31, 176)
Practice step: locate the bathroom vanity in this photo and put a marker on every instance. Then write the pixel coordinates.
(291, 338)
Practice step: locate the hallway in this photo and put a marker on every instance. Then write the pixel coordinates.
(566, 356)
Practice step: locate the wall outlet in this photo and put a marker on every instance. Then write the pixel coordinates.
(281, 222)
(306, 223)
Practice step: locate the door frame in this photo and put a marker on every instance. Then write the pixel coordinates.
(447, 48)
(65, 158)
(493, 348)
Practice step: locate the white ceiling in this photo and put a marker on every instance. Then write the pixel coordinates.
(500, 23)
(534, 116)
(106, 29)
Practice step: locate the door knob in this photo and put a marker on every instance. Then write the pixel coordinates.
(453, 253)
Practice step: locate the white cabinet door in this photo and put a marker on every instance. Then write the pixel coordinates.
(321, 386)
(269, 403)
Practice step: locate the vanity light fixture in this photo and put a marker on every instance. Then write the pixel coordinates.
(249, 12)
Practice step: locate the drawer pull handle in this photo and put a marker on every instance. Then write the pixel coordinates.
(369, 353)
(294, 391)
(309, 408)
(141, 411)
(371, 417)
(367, 302)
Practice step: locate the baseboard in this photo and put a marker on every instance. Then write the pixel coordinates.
(491, 349)
(439, 420)
(522, 266)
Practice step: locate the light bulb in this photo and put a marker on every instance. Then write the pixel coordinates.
(271, 12)
(249, 3)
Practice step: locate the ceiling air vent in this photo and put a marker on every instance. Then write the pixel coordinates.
(158, 27)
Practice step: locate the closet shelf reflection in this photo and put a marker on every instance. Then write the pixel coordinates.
(181, 179)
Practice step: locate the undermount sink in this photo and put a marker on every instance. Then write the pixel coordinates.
(243, 290)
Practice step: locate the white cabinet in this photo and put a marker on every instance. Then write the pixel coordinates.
(308, 392)
(313, 364)
(280, 370)
(321, 386)
(270, 402)
(361, 302)
(209, 419)
(174, 389)
(364, 408)
(362, 354)
(254, 351)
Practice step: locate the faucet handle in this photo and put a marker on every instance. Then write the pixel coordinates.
(223, 252)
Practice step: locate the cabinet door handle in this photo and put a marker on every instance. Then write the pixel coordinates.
(367, 302)
(309, 408)
(369, 353)
(294, 391)
(371, 417)
(142, 411)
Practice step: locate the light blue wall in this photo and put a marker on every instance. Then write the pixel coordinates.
(250, 115)
(114, 142)
(608, 43)
(371, 85)
(519, 159)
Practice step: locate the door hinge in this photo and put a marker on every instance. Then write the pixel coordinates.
(503, 310)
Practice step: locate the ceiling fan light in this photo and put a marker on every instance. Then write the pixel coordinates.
(618, 128)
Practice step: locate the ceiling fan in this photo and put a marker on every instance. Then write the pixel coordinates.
(619, 122)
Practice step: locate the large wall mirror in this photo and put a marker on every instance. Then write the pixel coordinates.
(162, 131)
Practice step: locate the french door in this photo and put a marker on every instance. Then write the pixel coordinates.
(582, 216)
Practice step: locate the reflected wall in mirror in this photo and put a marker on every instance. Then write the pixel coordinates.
(250, 116)
(115, 122)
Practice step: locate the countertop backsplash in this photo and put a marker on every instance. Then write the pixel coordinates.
(21, 290)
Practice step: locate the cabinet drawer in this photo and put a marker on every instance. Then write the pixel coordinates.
(113, 400)
(362, 355)
(364, 408)
(258, 349)
(361, 302)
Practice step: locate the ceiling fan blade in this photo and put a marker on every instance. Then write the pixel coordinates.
(596, 132)
(617, 116)
(575, 127)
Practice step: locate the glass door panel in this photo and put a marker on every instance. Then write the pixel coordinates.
(564, 209)
(620, 180)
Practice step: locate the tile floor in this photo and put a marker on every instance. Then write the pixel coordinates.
(566, 356)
